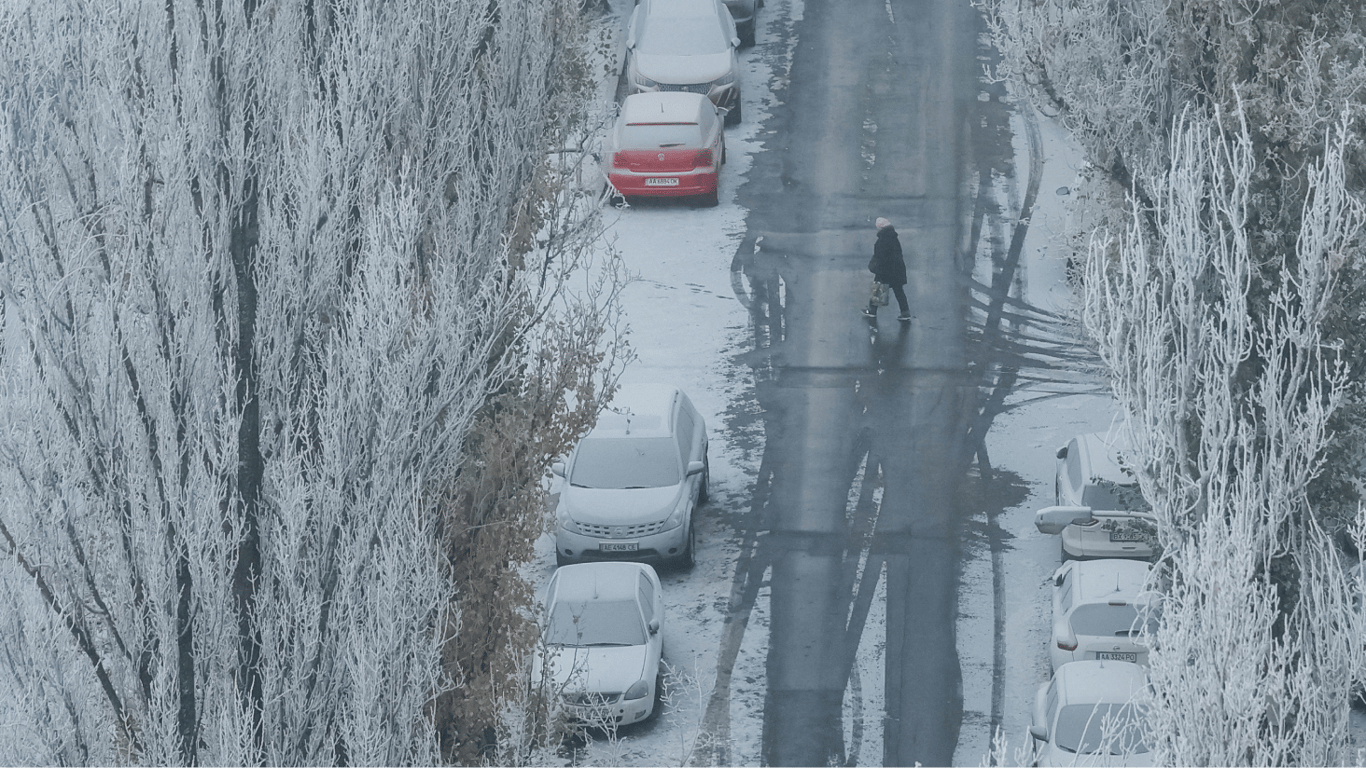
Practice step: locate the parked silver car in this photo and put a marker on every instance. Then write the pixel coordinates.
(685, 45)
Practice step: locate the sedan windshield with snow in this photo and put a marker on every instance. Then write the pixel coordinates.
(615, 462)
(596, 623)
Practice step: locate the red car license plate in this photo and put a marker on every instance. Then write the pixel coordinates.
(661, 181)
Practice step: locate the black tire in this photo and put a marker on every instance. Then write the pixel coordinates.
(704, 488)
(723, 151)
(689, 557)
(711, 199)
(1066, 556)
(734, 116)
(561, 560)
(747, 36)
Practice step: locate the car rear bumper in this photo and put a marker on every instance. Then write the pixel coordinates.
(664, 545)
(689, 183)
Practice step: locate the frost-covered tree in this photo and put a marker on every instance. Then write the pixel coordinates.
(1229, 402)
(262, 266)
(1119, 73)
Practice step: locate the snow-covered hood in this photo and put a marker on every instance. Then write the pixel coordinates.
(683, 70)
(620, 506)
(607, 669)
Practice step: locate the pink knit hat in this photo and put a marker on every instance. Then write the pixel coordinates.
(881, 222)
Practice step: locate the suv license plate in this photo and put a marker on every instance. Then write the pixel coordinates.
(1113, 656)
(661, 181)
(618, 546)
(1126, 536)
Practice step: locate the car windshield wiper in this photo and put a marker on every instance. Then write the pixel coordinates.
(605, 645)
(674, 144)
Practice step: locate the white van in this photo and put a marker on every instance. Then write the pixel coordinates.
(632, 484)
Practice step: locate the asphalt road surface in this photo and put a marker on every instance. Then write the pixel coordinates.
(875, 122)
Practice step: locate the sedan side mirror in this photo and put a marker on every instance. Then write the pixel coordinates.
(653, 626)
(695, 467)
(1039, 732)
(557, 468)
(1054, 519)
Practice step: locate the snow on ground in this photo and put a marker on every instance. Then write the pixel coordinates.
(1023, 441)
(687, 328)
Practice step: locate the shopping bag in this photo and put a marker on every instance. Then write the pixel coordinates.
(878, 296)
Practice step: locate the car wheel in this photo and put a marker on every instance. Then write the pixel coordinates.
(711, 199)
(733, 116)
(723, 152)
(1066, 556)
(747, 36)
(703, 489)
(689, 558)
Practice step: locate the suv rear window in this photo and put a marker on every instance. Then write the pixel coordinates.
(626, 462)
(1105, 620)
(1105, 494)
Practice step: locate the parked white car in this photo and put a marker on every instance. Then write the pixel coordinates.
(1100, 511)
(603, 628)
(685, 45)
(633, 483)
(1086, 715)
(1097, 606)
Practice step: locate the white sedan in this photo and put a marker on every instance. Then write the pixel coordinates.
(602, 629)
(1087, 715)
(1096, 611)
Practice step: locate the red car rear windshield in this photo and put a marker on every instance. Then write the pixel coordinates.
(656, 135)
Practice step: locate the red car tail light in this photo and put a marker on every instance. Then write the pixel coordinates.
(619, 160)
(1067, 646)
(702, 159)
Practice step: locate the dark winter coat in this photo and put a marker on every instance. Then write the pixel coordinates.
(887, 266)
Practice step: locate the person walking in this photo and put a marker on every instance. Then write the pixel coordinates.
(889, 268)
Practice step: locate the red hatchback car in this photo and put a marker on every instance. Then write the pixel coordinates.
(667, 144)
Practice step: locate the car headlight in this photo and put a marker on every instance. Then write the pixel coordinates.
(643, 81)
(724, 80)
(566, 522)
(675, 518)
(639, 690)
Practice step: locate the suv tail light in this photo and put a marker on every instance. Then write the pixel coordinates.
(702, 159)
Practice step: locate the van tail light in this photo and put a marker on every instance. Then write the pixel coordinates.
(702, 159)
(1072, 646)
